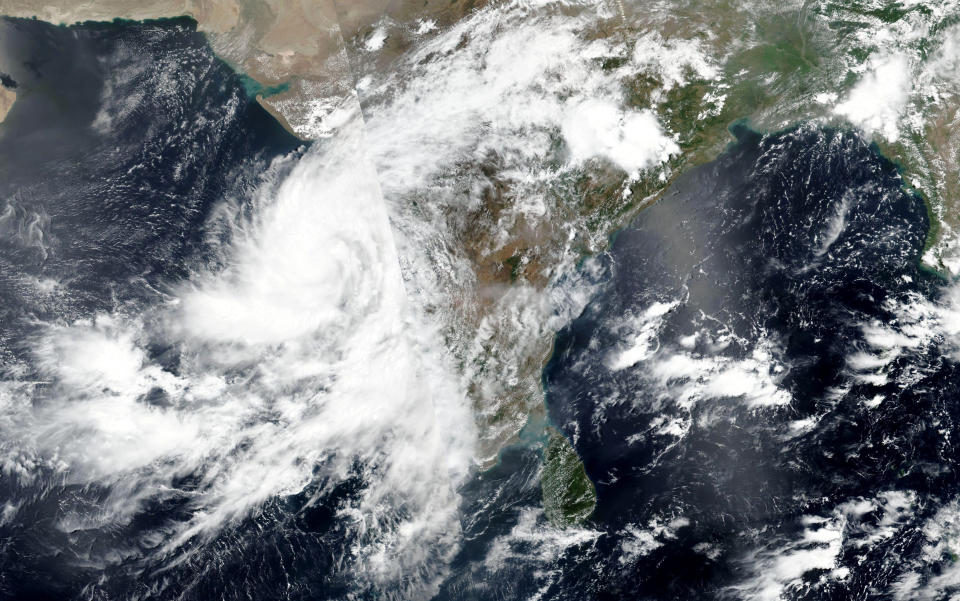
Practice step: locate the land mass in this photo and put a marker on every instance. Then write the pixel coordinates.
(569, 496)
(697, 65)
(293, 50)
(7, 98)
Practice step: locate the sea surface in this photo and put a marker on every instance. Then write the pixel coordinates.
(761, 359)
(124, 138)
(762, 388)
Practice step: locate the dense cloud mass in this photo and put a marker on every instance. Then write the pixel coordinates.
(562, 300)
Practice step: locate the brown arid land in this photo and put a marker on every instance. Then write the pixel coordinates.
(293, 48)
(698, 66)
(309, 50)
(306, 57)
(303, 54)
(7, 98)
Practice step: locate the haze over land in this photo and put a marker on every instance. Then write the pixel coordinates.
(465, 168)
(294, 50)
(638, 93)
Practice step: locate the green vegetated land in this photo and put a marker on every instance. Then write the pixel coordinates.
(569, 496)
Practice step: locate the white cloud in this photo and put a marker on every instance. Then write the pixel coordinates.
(508, 88)
(632, 140)
(502, 82)
(638, 542)
(753, 379)
(671, 60)
(533, 541)
(878, 100)
(298, 359)
(644, 330)
(933, 575)
(376, 39)
(778, 566)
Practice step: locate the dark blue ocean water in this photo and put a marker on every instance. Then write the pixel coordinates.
(793, 240)
(787, 244)
(122, 139)
(125, 136)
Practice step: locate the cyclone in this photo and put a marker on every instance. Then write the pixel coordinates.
(549, 300)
